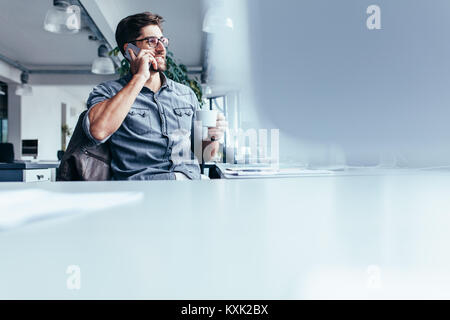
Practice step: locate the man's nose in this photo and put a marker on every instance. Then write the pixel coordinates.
(160, 47)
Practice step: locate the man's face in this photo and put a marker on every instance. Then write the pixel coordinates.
(160, 51)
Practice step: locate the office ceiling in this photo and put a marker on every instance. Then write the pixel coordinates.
(23, 39)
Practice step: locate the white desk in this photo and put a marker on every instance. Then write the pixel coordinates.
(291, 238)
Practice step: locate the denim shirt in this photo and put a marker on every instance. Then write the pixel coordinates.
(150, 142)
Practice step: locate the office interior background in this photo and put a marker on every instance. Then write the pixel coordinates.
(59, 65)
(342, 95)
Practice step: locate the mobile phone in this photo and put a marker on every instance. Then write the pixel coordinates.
(136, 52)
(132, 47)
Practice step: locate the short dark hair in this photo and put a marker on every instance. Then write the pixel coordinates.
(129, 28)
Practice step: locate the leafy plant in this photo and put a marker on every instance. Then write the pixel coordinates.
(66, 130)
(175, 71)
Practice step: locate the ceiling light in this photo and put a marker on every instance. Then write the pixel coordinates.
(24, 89)
(103, 64)
(63, 18)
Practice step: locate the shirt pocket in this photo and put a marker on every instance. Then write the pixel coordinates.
(184, 117)
(138, 121)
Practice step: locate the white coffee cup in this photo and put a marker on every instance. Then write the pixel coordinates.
(207, 117)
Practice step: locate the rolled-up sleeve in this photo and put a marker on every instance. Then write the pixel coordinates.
(99, 93)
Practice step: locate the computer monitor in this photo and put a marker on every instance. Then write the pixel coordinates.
(30, 148)
(346, 81)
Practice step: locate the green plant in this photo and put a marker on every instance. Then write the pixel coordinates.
(66, 130)
(175, 71)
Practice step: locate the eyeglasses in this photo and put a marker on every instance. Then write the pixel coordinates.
(153, 41)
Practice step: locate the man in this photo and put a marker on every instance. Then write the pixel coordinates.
(143, 113)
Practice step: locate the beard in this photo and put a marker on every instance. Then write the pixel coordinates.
(162, 64)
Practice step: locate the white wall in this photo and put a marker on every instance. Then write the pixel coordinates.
(14, 120)
(41, 115)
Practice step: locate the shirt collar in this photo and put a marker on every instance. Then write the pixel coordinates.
(166, 82)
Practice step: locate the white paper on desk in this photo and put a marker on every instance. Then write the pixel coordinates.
(21, 206)
(279, 172)
(249, 168)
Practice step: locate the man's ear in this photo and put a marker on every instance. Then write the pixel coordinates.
(125, 46)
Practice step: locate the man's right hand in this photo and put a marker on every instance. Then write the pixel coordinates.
(107, 116)
(140, 64)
